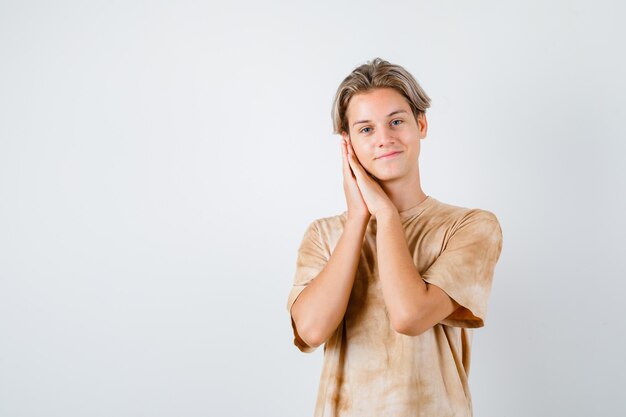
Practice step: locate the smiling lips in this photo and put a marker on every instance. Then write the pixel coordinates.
(388, 155)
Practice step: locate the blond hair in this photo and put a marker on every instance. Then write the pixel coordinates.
(377, 73)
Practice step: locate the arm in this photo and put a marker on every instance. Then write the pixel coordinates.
(414, 305)
(320, 307)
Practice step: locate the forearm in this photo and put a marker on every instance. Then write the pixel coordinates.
(402, 286)
(322, 304)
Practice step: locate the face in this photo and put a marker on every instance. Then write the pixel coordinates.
(381, 122)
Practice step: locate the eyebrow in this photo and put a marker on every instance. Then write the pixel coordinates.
(389, 115)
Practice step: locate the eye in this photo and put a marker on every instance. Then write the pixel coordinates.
(363, 130)
(397, 120)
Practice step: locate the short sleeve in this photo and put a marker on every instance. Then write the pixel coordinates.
(465, 268)
(311, 259)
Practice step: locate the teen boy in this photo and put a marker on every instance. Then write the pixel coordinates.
(394, 286)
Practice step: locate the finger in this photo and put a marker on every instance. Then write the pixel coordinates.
(357, 171)
(347, 172)
(363, 178)
(350, 146)
(356, 166)
(356, 161)
(352, 153)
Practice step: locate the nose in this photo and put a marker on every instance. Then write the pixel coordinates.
(385, 137)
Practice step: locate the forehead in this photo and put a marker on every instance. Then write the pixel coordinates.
(376, 103)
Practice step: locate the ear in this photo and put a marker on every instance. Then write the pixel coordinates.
(422, 125)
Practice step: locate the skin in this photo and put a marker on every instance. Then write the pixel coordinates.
(387, 186)
(395, 182)
(380, 188)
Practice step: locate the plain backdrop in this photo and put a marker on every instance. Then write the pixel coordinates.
(160, 161)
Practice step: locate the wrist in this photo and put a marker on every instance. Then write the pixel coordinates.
(358, 220)
(387, 212)
(387, 217)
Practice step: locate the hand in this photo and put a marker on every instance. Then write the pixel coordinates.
(374, 196)
(357, 208)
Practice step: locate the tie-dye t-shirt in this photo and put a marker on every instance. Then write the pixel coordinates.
(369, 369)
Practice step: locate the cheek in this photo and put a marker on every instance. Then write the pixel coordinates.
(363, 157)
(367, 165)
(357, 151)
(361, 149)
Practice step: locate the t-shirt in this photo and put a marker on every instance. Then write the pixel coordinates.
(369, 369)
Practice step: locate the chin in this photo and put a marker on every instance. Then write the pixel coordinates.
(390, 174)
(386, 177)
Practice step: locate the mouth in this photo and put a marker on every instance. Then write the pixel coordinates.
(390, 155)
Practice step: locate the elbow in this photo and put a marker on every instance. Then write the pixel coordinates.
(317, 335)
(409, 326)
(311, 329)
(311, 337)
(314, 343)
(408, 330)
(411, 331)
(315, 340)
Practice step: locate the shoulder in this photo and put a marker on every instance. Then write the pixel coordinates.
(458, 227)
(329, 223)
(457, 213)
(327, 230)
(457, 218)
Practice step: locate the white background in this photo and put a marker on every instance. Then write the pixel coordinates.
(160, 161)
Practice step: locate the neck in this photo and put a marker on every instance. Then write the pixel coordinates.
(405, 192)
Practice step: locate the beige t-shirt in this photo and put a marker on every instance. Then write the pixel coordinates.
(370, 369)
